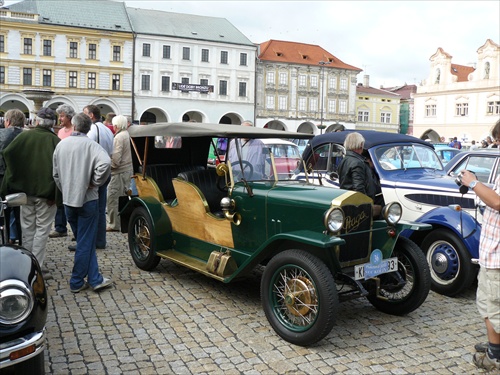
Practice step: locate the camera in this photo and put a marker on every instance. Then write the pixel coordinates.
(461, 187)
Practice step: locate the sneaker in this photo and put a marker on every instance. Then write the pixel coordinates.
(83, 287)
(482, 360)
(56, 234)
(481, 347)
(105, 283)
(72, 247)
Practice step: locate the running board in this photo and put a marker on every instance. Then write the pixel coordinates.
(195, 264)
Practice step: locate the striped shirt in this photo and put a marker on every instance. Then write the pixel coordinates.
(489, 245)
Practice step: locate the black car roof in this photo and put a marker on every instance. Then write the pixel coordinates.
(372, 138)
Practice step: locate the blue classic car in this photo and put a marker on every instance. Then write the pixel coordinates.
(412, 173)
(23, 305)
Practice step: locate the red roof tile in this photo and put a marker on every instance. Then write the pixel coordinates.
(461, 71)
(299, 53)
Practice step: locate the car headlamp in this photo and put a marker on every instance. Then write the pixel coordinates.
(16, 301)
(392, 213)
(334, 219)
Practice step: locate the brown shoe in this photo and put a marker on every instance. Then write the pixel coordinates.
(56, 234)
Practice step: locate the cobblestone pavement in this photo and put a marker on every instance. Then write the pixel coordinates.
(176, 321)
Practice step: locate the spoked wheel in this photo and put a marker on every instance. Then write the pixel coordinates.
(141, 240)
(299, 297)
(405, 290)
(451, 268)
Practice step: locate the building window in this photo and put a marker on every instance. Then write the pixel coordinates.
(47, 47)
(494, 107)
(222, 87)
(438, 76)
(28, 46)
(343, 83)
(223, 57)
(462, 109)
(430, 110)
(270, 78)
(343, 106)
(302, 80)
(186, 53)
(204, 55)
(302, 104)
(165, 83)
(283, 79)
(116, 82)
(117, 53)
(73, 79)
(332, 83)
(313, 105)
(282, 104)
(243, 59)
(363, 116)
(92, 51)
(145, 82)
(47, 77)
(242, 89)
(73, 50)
(27, 76)
(270, 101)
(185, 80)
(204, 82)
(166, 52)
(2, 74)
(146, 49)
(385, 117)
(2, 43)
(332, 106)
(314, 81)
(92, 80)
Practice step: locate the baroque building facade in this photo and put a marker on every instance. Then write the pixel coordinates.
(459, 101)
(303, 88)
(48, 58)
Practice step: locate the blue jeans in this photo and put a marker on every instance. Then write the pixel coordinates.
(83, 221)
(101, 226)
(60, 222)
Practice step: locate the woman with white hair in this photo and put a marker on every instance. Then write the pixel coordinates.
(121, 170)
(354, 170)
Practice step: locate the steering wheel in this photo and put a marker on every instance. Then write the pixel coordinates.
(247, 170)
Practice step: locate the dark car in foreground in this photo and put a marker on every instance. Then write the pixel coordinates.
(412, 173)
(23, 306)
(318, 246)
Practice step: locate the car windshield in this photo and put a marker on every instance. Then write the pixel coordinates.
(256, 159)
(407, 157)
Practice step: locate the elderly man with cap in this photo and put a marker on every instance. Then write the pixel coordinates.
(28, 161)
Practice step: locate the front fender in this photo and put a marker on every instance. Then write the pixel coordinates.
(160, 221)
(460, 222)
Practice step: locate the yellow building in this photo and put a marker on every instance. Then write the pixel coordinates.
(376, 109)
(47, 59)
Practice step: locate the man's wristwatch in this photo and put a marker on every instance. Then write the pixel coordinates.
(473, 184)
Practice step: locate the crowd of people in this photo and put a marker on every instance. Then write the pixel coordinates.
(488, 142)
(74, 176)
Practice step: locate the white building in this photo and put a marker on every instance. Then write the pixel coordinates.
(191, 68)
(459, 101)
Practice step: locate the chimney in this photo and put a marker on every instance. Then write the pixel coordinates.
(366, 80)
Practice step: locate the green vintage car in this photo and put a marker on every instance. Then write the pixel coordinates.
(320, 246)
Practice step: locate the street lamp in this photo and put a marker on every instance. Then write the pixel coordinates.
(322, 73)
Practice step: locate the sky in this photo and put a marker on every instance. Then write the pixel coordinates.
(391, 41)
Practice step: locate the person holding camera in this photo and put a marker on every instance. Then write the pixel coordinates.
(488, 289)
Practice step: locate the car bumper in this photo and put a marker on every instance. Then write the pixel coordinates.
(21, 349)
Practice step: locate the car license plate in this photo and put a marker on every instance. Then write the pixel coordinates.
(368, 270)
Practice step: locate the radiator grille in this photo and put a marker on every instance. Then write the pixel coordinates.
(356, 232)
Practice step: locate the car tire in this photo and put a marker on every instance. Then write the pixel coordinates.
(299, 297)
(141, 240)
(450, 263)
(401, 299)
